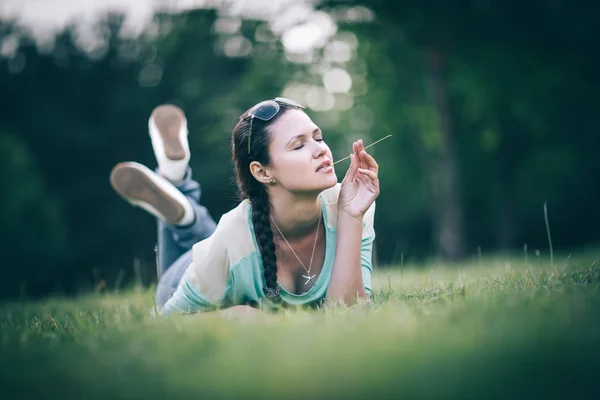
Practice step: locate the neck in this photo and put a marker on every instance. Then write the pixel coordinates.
(295, 215)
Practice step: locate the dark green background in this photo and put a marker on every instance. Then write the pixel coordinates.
(493, 107)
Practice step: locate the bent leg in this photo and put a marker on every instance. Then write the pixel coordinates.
(174, 240)
(167, 283)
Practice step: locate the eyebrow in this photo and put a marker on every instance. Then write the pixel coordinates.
(302, 134)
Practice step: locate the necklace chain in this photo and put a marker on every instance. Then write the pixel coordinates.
(307, 276)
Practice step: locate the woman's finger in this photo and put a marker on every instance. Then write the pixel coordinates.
(368, 172)
(359, 148)
(352, 169)
(369, 161)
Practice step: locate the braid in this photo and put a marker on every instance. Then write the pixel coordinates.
(261, 213)
(256, 192)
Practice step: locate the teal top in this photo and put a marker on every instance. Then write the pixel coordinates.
(227, 268)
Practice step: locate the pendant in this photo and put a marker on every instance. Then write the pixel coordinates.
(308, 278)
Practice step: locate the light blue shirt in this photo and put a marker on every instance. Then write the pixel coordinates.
(227, 268)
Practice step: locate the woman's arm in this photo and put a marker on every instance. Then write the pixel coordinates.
(346, 283)
(359, 190)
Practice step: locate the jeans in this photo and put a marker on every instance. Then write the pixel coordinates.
(174, 246)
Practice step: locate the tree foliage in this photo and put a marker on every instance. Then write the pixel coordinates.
(515, 126)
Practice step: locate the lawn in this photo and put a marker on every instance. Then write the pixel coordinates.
(491, 328)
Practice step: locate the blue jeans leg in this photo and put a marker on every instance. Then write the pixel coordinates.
(174, 247)
(167, 284)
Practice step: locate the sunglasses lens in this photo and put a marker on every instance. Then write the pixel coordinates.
(265, 110)
(288, 102)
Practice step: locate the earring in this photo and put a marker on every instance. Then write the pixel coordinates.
(271, 181)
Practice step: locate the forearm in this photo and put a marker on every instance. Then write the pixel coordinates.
(346, 283)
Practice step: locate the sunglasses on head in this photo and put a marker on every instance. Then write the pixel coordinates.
(267, 110)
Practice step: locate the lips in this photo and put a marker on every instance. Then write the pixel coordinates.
(325, 163)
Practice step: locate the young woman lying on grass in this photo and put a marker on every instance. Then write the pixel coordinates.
(298, 237)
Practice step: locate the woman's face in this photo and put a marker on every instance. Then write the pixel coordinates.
(297, 151)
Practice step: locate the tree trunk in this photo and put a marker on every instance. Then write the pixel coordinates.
(445, 176)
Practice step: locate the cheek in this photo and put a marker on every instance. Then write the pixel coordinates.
(289, 166)
(293, 160)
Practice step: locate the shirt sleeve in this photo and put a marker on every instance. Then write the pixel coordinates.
(203, 284)
(366, 252)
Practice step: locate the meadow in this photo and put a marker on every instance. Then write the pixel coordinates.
(497, 327)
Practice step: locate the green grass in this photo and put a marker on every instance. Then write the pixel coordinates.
(498, 330)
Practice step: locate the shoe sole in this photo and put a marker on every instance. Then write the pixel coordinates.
(168, 120)
(133, 184)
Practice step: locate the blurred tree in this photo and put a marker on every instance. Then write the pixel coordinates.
(492, 107)
(75, 118)
(499, 139)
(33, 236)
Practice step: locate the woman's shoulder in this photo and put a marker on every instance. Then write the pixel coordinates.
(236, 216)
(234, 232)
(213, 257)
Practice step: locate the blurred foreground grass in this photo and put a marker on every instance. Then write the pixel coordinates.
(493, 330)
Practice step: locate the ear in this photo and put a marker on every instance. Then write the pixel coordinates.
(259, 172)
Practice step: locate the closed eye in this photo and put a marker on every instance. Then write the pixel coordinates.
(302, 145)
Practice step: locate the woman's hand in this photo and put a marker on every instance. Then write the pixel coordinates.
(360, 186)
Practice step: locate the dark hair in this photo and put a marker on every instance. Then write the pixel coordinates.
(251, 189)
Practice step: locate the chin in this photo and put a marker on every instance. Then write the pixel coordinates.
(316, 186)
(330, 182)
(333, 182)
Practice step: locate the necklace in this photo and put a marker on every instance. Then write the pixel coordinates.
(308, 276)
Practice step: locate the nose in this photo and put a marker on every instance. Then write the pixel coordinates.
(320, 149)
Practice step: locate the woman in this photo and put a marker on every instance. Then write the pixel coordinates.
(297, 238)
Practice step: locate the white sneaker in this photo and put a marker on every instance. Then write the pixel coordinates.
(168, 131)
(143, 188)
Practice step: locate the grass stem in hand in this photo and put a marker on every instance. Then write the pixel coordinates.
(345, 158)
